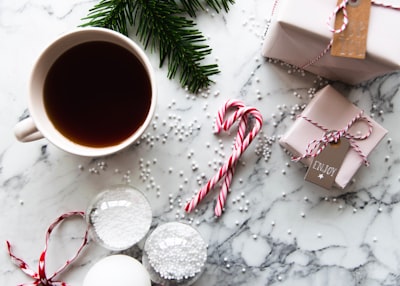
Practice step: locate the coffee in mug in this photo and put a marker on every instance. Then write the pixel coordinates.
(92, 93)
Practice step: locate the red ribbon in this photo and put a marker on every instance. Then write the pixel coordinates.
(40, 277)
(315, 147)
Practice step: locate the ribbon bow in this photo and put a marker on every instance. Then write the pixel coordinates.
(316, 146)
(40, 277)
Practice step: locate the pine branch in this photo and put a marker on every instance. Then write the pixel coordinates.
(161, 26)
(192, 6)
(110, 14)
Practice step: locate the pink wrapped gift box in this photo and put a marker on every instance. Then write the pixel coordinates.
(333, 111)
(299, 33)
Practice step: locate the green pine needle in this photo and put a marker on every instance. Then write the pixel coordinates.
(160, 25)
(192, 6)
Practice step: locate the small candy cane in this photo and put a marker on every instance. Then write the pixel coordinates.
(40, 276)
(232, 161)
(239, 140)
(222, 112)
(228, 178)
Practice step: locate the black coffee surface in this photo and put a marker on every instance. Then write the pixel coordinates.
(97, 94)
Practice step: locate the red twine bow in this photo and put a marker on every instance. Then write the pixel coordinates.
(315, 147)
(243, 140)
(40, 276)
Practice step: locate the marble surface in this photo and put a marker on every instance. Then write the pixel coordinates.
(276, 230)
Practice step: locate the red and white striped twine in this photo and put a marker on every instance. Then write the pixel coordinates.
(341, 7)
(243, 139)
(385, 5)
(316, 146)
(40, 277)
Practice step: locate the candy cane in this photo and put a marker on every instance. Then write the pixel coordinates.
(222, 112)
(220, 124)
(228, 178)
(233, 158)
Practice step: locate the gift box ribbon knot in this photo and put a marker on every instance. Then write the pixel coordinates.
(316, 146)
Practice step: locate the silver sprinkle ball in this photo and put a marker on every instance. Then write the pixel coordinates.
(175, 254)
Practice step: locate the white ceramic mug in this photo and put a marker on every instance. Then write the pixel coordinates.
(39, 125)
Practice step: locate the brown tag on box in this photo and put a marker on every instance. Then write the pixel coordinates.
(352, 42)
(324, 167)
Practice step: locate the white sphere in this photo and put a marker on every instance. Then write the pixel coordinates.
(117, 270)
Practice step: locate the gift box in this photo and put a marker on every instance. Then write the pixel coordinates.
(329, 110)
(298, 34)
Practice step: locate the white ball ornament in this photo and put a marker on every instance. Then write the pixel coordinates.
(117, 270)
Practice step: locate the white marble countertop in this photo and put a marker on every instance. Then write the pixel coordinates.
(276, 230)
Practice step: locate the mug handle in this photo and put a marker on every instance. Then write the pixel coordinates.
(26, 131)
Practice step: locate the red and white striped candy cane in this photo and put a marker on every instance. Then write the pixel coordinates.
(220, 124)
(223, 110)
(229, 175)
(40, 277)
(232, 159)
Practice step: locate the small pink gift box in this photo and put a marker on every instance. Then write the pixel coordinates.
(299, 33)
(332, 111)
